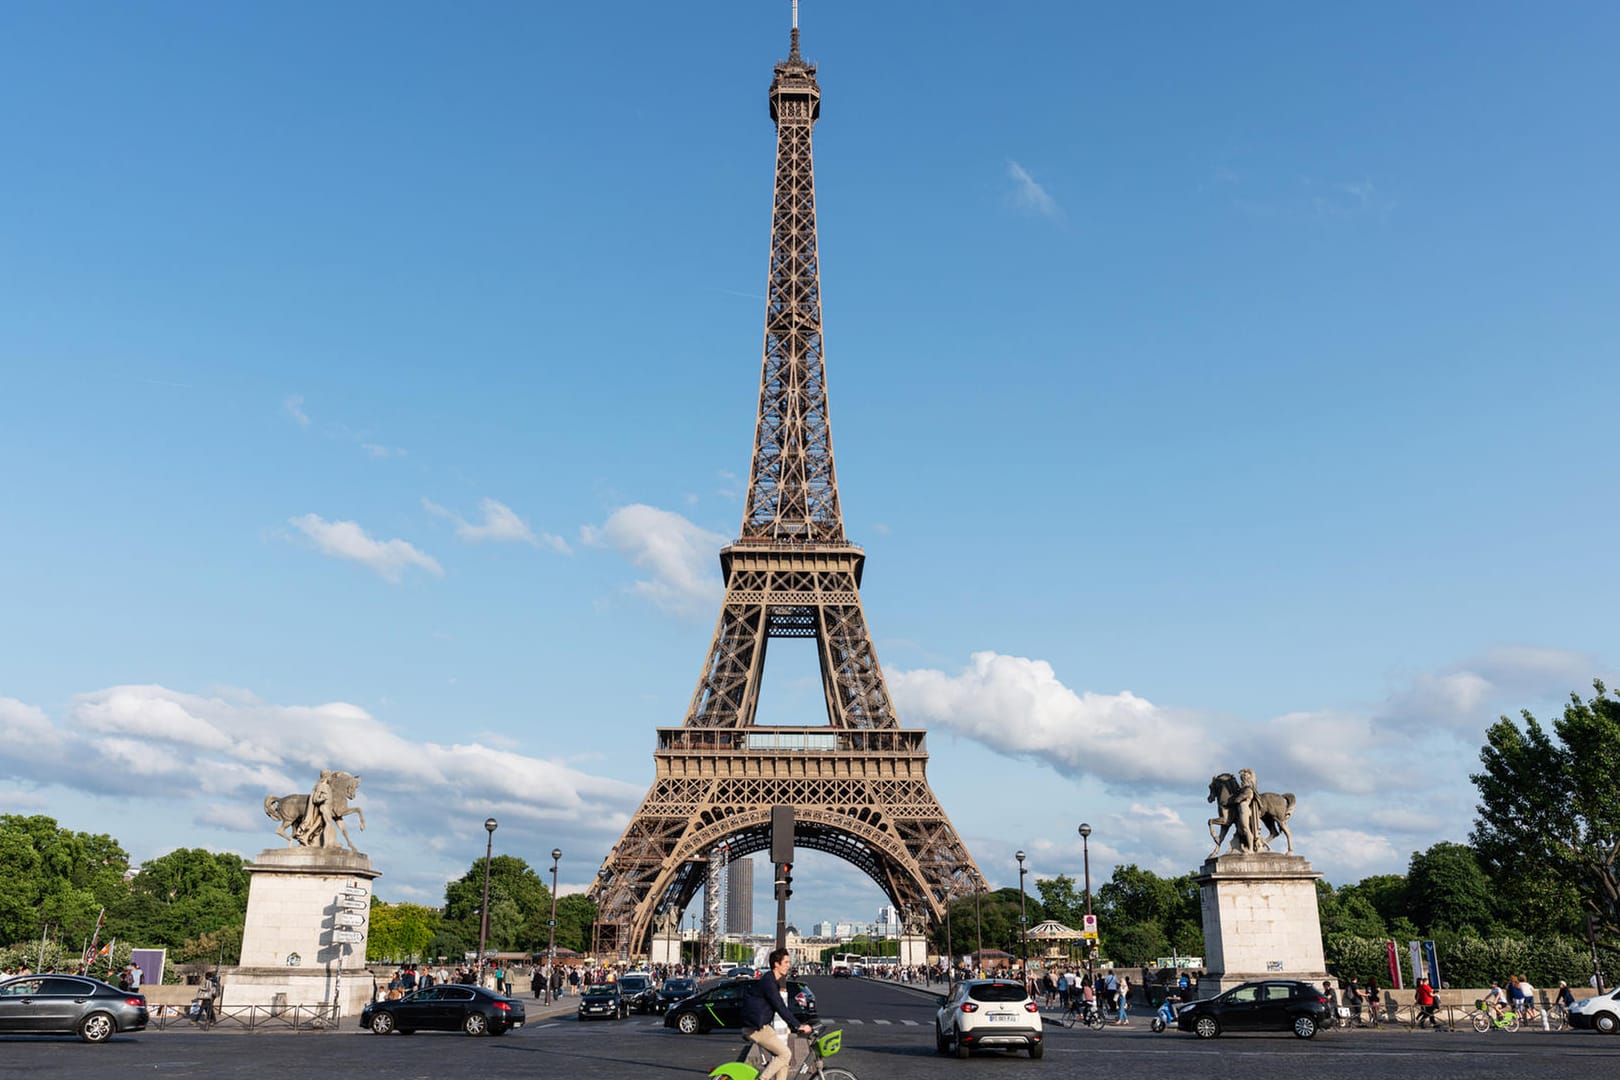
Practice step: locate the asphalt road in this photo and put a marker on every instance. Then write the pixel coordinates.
(888, 1034)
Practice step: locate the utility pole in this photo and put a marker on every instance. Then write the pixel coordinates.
(782, 866)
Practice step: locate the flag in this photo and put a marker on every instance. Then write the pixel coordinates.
(105, 950)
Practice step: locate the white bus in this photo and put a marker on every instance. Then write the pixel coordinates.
(846, 964)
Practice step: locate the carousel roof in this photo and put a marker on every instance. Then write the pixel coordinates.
(1052, 930)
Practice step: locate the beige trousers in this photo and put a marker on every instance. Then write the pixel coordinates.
(767, 1039)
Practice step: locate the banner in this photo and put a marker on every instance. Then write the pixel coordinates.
(1416, 949)
(1433, 960)
(1394, 965)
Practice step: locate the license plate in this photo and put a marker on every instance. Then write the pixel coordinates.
(1002, 1018)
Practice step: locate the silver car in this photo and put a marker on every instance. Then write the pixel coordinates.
(68, 1005)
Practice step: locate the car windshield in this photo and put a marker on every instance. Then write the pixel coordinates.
(634, 982)
(996, 993)
(599, 988)
(680, 985)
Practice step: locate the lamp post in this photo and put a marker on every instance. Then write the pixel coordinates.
(978, 922)
(490, 825)
(551, 945)
(1023, 917)
(1085, 849)
(950, 960)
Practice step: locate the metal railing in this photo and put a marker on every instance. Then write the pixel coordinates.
(253, 1018)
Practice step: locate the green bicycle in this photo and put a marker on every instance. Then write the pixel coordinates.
(823, 1045)
(1485, 1018)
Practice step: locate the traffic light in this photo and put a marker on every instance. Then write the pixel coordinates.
(784, 881)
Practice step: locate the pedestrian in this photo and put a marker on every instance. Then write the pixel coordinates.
(1123, 990)
(1373, 1000)
(1423, 998)
(135, 976)
(206, 993)
(1352, 998)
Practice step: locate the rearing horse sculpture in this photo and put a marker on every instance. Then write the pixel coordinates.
(334, 789)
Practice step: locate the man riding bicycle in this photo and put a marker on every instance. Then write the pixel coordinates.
(765, 1000)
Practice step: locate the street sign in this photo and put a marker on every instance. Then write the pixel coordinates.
(1088, 927)
(349, 918)
(351, 904)
(352, 937)
(356, 892)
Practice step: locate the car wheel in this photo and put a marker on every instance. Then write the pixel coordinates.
(475, 1024)
(688, 1024)
(1037, 1050)
(1304, 1027)
(961, 1048)
(1207, 1027)
(382, 1024)
(1606, 1022)
(97, 1027)
(942, 1045)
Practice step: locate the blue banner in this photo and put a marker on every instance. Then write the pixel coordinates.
(1434, 964)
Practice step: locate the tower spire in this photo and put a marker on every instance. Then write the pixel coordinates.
(793, 53)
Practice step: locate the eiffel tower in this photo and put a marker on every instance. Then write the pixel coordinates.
(858, 784)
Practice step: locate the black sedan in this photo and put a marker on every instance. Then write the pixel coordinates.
(451, 1007)
(1272, 1005)
(69, 1005)
(675, 990)
(639, 993)
(602, 1001)
(721, 1007)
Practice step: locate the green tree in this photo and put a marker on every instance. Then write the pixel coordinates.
(50, 876)
(519, 904)
(1549, 811)
(1449, 891)
(186, 894)
(576, 915)
(1062, 900)
(400, 932)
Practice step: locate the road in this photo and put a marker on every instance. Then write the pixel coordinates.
(888, 1033)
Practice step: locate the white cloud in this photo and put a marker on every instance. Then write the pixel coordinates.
(1017, 706)
(500, 524)
(381, 452)
(1028, 194)
(679, 555)
(295, 409)
(347, 540)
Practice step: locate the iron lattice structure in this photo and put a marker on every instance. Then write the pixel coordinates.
(858, 785)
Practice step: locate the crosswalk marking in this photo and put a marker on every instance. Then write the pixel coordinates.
(883, 1021)
(909, 1023)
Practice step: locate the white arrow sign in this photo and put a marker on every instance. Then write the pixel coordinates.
(349, 918)
(352, 937)
(353, 905)
(352, 891)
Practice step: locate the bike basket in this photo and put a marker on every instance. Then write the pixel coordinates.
(829, 1043)
(735, 1070)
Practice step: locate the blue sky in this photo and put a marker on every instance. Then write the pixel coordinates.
(1210, 388)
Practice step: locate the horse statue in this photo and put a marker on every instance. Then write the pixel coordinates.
(313, 816)
(1268, 809)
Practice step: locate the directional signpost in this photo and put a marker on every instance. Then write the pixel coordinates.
(347, 937)
(349, 918)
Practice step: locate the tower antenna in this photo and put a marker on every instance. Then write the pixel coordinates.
(793, 51)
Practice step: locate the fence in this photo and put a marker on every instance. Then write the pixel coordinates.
(254, 1018)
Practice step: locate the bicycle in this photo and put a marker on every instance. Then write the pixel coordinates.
(1084, 1012)
(1485, 1017)
(823, 1045)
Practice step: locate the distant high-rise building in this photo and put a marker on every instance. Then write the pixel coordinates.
(740, 897)
(824, 929)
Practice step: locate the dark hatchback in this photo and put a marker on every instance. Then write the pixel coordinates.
(1272, 1005)
(639, 993)
(451, 1007)
(69, 1005)
(721, 1007)
(602, 1001)
(675, 990)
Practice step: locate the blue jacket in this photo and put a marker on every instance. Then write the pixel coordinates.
(762, 999)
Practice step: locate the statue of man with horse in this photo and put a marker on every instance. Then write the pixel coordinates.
(1245, 808)
(316, 819)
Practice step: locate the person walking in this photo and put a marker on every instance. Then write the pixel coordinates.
(1423, 998)
(206, 993)
(1123, 991)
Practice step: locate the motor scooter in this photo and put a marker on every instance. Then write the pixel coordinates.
(1166, 1016)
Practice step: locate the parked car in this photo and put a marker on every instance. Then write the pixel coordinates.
(721, 1007)
(602, 1001)
(69, 1005)
(450, 1007)
(638, 992)
(990, 1014)
(1270, 1005)
(675, 990)
(743, 973)
(1600, 1012)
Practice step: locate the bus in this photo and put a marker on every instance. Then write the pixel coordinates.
(846, 964)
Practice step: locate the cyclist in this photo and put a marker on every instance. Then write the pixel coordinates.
(764, 1000)
(1496, 1001)
(1527, 1001)
(1565, 999)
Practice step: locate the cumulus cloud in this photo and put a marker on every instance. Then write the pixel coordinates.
(347, 540)
(1466, 698)
(1028, 194)
(1018, 706)
(500, 524)
(678, 555)
(294, 406)
(223, 753)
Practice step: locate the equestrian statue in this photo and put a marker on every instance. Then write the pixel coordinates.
(1245, 808)
(317, 818)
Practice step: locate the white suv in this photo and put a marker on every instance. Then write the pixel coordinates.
(989, 1013)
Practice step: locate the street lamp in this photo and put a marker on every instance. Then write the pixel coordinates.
(1085, 848)
(978, 921)
(950, 960)
(483, 915)
(1023, 917)
(551, 946)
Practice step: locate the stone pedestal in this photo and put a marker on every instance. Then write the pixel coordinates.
(304, 944)
(1260, 921)
(913, 950)
(666, 947)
